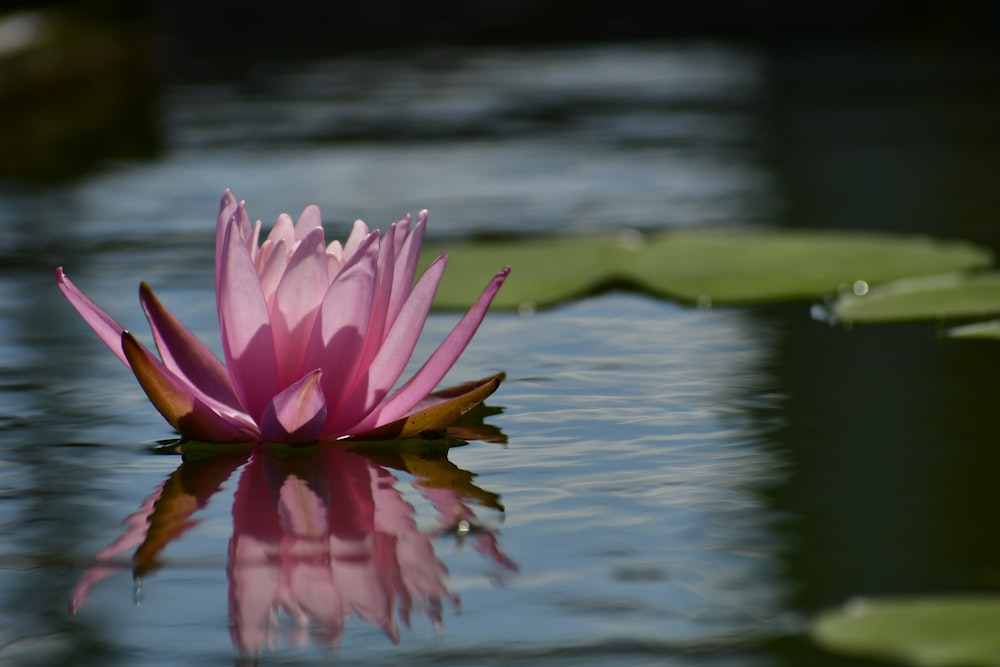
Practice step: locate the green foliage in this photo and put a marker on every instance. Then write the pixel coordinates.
(693, 266)
(926, 632)
(988, 329)
(946, 296)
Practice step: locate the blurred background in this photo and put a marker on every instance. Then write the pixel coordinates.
(884, 107)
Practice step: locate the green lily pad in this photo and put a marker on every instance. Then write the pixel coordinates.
(988, 329)
(927, 632)
(693, 266)
(927, 298)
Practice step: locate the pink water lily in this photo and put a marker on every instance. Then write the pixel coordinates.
(315, 336)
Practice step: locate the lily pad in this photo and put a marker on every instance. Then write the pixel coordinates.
(927, 632)
(988, 329)
(946, 296)
(693, 266)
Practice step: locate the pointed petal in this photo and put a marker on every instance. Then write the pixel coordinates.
(309, 220)
(439, 363)
(106, 328)
(183, 353)
(254, 241)
(229, 211)
(272, 266)
(358, 234)
(339, 330)
(407, 256)
(227, 208)
(383, 292)
(283, 230)
(298, 413)
(439, 416)
(296, 304)
(336, 250)
(193, 415)
(245, 326)
(376, 330)
(393, 354)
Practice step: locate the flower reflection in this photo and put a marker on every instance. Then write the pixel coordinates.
(320, 533)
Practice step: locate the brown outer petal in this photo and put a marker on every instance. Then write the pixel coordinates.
(183, 411)
(459, 400)
(184, 351)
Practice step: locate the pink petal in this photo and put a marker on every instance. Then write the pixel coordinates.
(358, 234)
(383, 292)
(339, 331)
(394, 353)
(332, 265)
(439, 363)
(183, 353)
(298, 413)
(407, 256)
(245, 326)
(106, 328)
(272, 266)
(253, 243)
(376, 323)
(336, 251)
(229, 210)
(296, 304)
(283, 230)
(227, 207)
(310, 219)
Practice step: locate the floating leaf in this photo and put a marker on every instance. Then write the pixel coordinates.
(989, 329)
(928, 632)
(927, 298)
(694, 266)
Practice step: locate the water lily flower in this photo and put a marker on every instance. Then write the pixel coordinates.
(315, 336)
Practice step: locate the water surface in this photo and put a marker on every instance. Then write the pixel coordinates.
(681, 486)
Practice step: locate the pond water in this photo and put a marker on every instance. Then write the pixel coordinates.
(681, 486)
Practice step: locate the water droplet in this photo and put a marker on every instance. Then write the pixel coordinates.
(137, 592)
(463, 528)
(822, 313)
(860, 287)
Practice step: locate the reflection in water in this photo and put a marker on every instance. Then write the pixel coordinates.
(319, 533)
